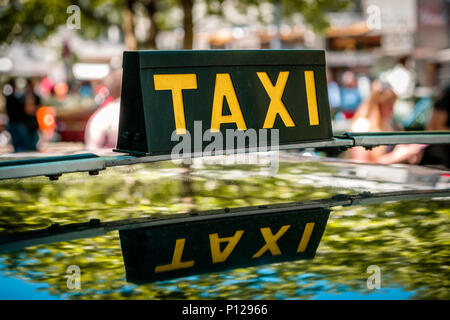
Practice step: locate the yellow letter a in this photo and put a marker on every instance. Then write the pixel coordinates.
(215, 241)
(224, 89)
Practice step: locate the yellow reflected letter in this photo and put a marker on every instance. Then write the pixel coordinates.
(275, 93)
(224, 89)
(305, 237)
(271, 241)
(311, 98)
(215, 242)
(176, 259)
(176, 83)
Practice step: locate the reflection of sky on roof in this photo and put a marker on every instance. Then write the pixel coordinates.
(18, 289)
(379, 294)
(314, 286)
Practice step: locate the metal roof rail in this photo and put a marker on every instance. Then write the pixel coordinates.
(54, 167)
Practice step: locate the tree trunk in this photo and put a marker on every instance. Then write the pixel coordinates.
(128, 25)
(187, 189)
(188, 24)
(151, 8)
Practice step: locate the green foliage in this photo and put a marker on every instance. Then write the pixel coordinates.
(98, 15)
(29, 20)
(314, 12)
(35, 20)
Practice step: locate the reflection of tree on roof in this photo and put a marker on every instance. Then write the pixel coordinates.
(405, 239)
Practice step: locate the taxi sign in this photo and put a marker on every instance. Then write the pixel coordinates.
(176, 250)
(164, 93)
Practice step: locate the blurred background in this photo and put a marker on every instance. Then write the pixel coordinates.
(388, 69)
(388, 62)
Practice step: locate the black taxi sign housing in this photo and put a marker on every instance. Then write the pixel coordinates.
(210, 245)
(164, 92)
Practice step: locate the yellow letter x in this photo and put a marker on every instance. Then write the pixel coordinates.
(275, 93)
(271, 241)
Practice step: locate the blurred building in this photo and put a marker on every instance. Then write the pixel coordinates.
(432, 42)
(371, 37)
(367, 38)
(47, 59)
(380, 32)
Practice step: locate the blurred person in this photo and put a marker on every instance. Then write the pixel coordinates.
(350, 96)
(60, 91)
(68, 59)
(103, 126)
(113, 85)
(334, 94)
(440, 120)
(376, 115)
(440, 117)
(32, 103)
(401, 77)
(15, 110)
(21, 111)
(100, 92)
(86, 89)
(46, 86)
(74, 88)
(364, 83)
